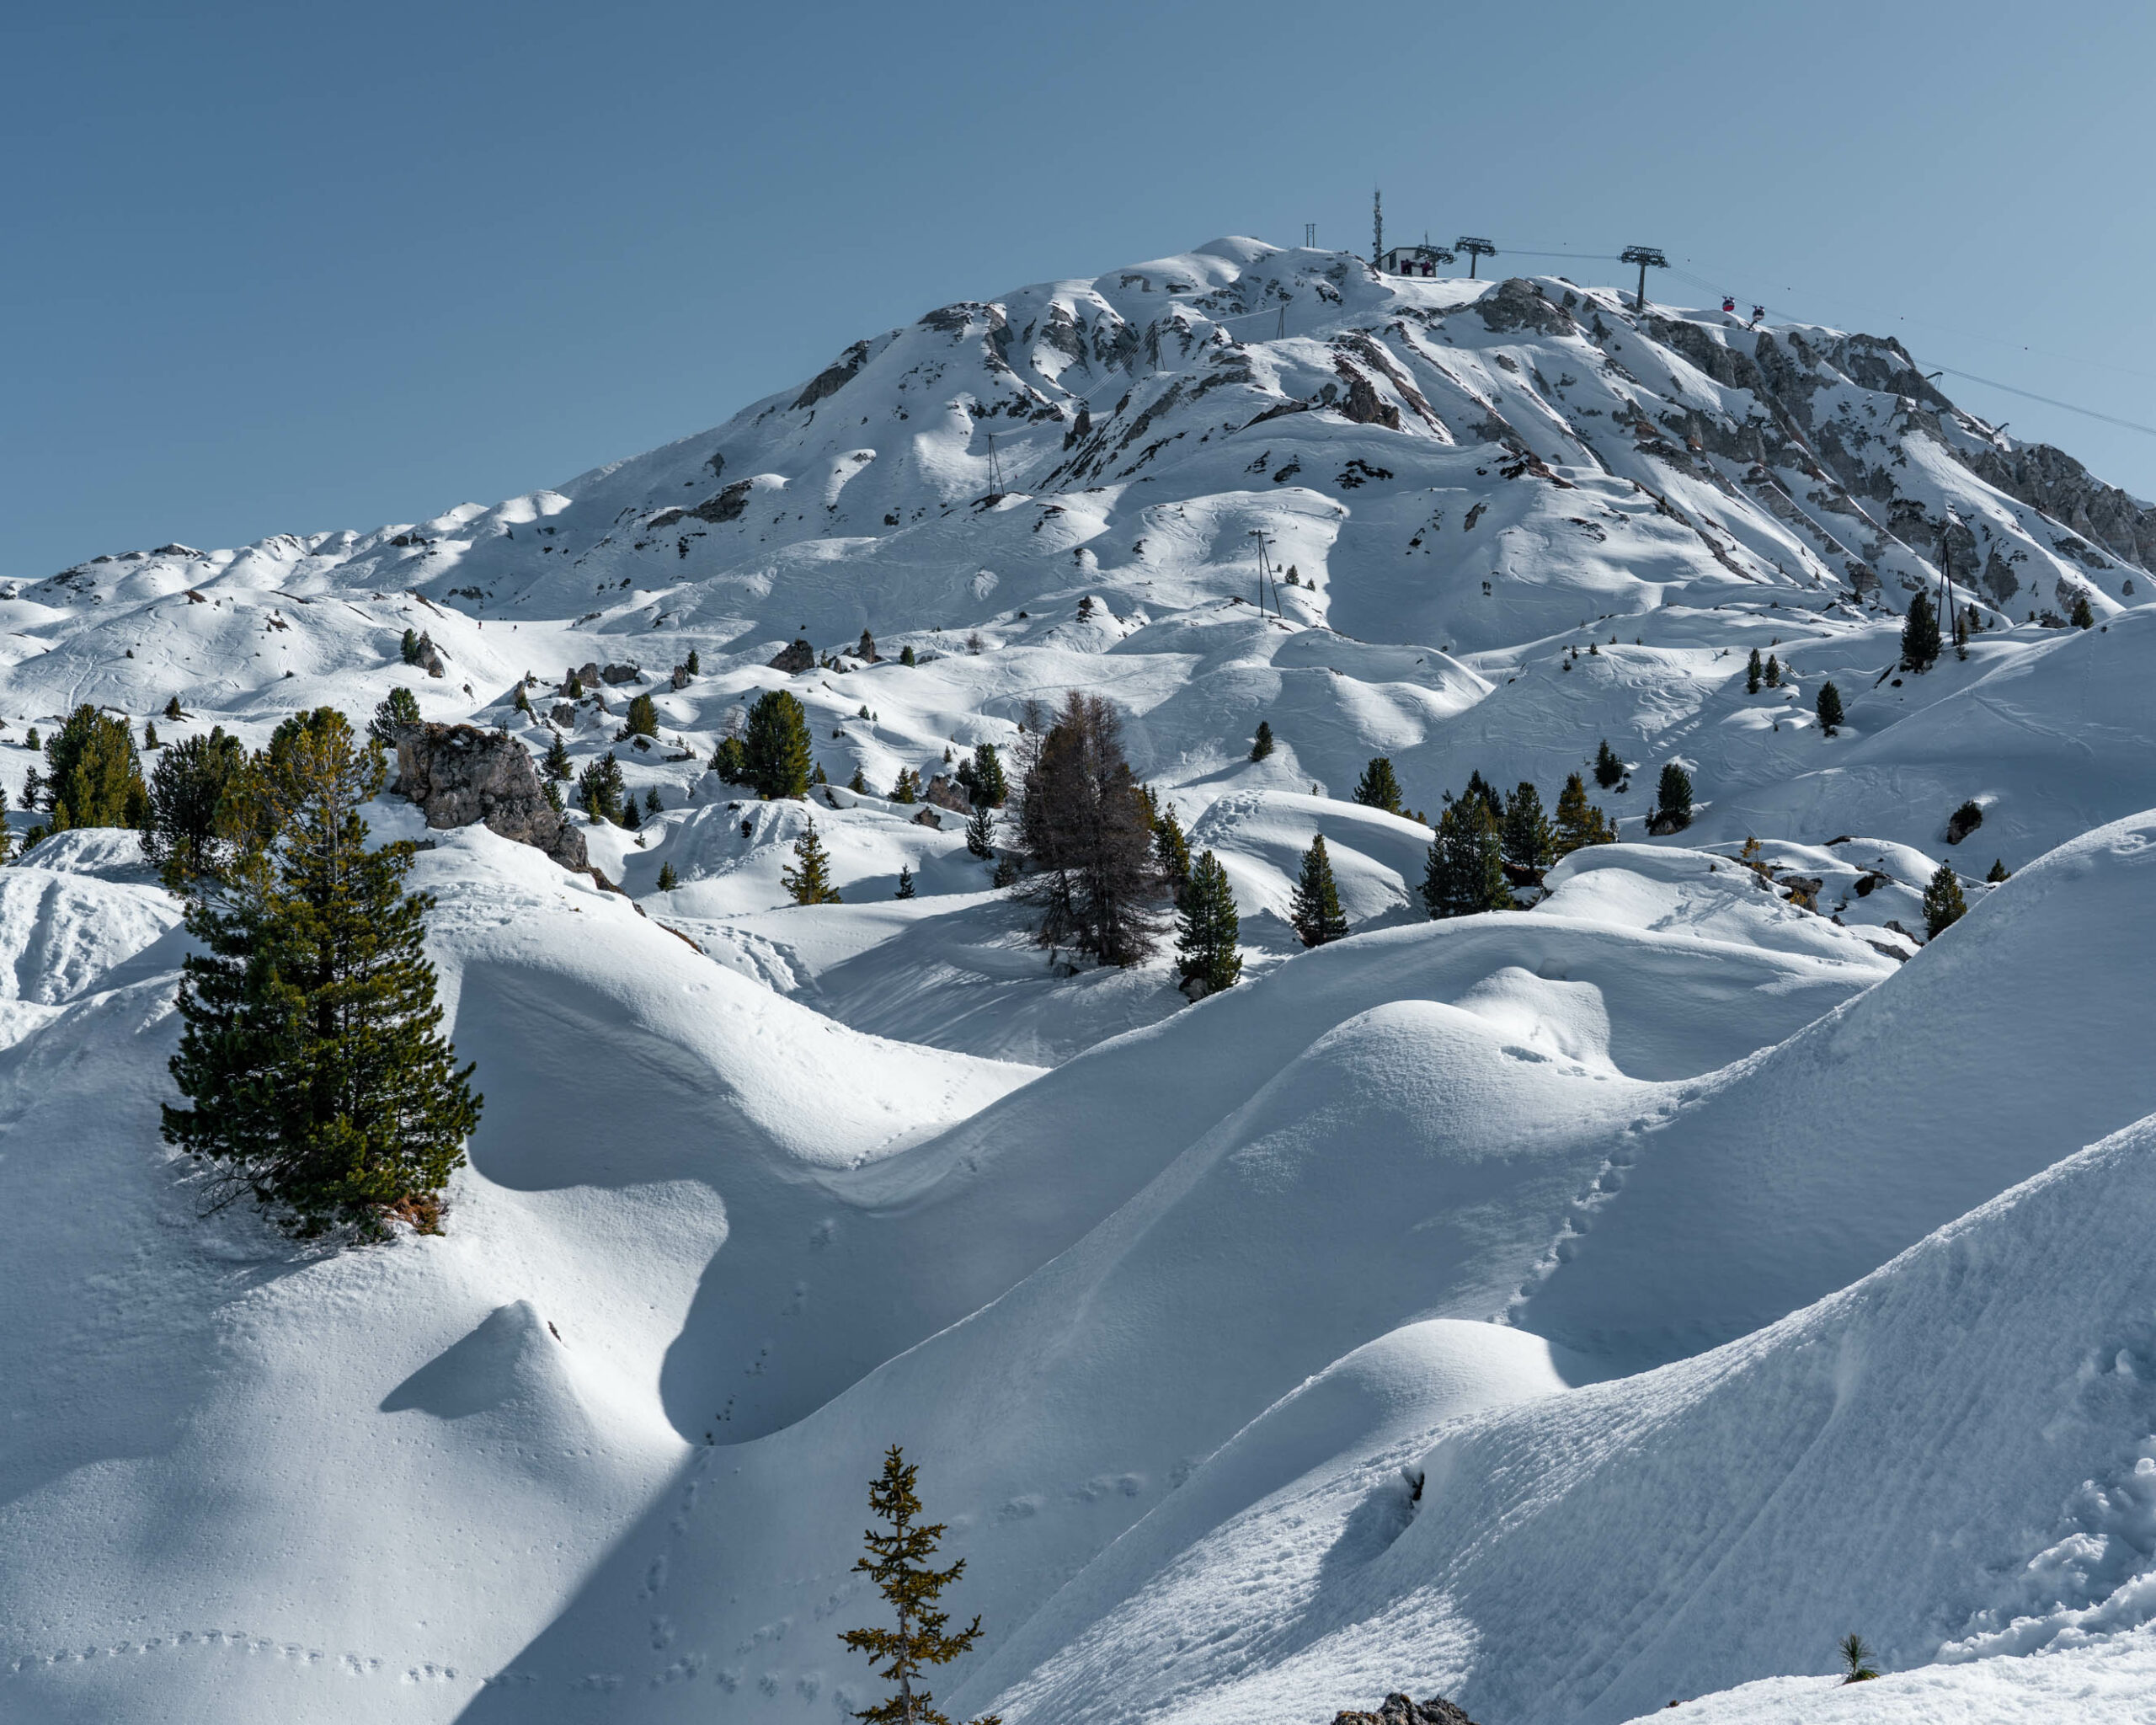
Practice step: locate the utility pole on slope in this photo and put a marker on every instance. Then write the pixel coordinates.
(1476, 249)
(995, 468)
(1647, 258)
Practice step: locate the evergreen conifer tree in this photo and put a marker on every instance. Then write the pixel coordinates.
(1528, 840)
(1856, 1660)
(983, 777)
(408, 648)
(653, 803)
(191, 812)
(905, 882)
(642, 719)
(2082, 617)
(730, 760)
(1466, 870)
(31, 741)
(1084, 823)
(906, 656)
(630, 817)
(693, 665)
(981, 831)
(523, 701)
(1580, 823)
(809, 881)
(1999, 871)
(1830, 709)
(1479, 790)
(668, 880)
(400, 706)
(553, 794)
(1171, 852)
(777, 746)
(1751, 672)
(599, 788)
(311, 1051)
(898, 1563)
(172, 711)
(1943, 903)
(1608, 767)
(1315, 910)
(1673, 796)
(907, 790)
(92, 775)
(149, 736)
(556, 766)
(1378, 787)
(1207, 929)
(1774, 672)
(1261, 744)
(1920, 635)
(858, 784)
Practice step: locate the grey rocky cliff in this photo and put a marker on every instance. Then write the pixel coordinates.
(1398, 1710)
(459, 775)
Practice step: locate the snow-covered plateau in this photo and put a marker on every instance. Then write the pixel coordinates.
(1570, 1310)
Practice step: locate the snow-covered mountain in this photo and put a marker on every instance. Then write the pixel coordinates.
(1729, 1271)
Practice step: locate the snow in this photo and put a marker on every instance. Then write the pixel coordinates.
(1724, 1258)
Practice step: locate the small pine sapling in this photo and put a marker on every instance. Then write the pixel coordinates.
(1998, 872)
(981, 831)
(692, 664)
(172, 711)
(30, 740)
(1774, 672)
(1262, 745)
(630, 816)
(858, 784)
(149, 736)
(2082, 617)
(652, 803)
(1207, 929)
(1608, 765)
(809, 881)
(898, 1563)
(906, 656)
(1751, 672)
(668, 880)
(1856, 1660)
(905, 882)
(1830, 709)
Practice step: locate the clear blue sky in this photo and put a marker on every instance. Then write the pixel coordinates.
(278, 267)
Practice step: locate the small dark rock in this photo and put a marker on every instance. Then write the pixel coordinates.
(1398, 1710)
(1964, 820)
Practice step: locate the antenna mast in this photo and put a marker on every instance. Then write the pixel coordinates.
(1377, 227)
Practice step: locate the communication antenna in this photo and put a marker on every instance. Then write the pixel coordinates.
(1377, 227)
(1309, 236)
(1476, 249)
(1647, 258)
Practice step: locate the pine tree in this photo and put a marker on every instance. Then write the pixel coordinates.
(1466, 871)
(1673, 797)
(643, 716)
(31, 741)
(808, 881)
(523, 701)
(1315, 910)
(777, 746)
(1207, 929)
(668, 880)
(1920, 635)
(172, 711)
(1479, 790)
(400, 706)
(983, 778)
(898, 1563)
(858, 784)
(408, 648)
(1943, 903)
(1856, 1660)
(575, 686)
(599, 788)
(905, 882)
(312, 1049)
(1751, 672)
(93, 776)
(149, 737)
(981, 831)
(1999, 871)
(2082, 617)
(1774, 672)
(1171, 852)
(1378, 789)
(906, 656)
(1830, 709)
(191, 811)
(554, 794)
(1579, 822)
(630, 817)
(907, 790)
(556, 765)
(1608, 767)
(693, 665)
(730, 760)
(1261, 744)
(1527, 840)
(653, 803)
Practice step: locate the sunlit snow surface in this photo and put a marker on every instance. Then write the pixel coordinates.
(1732, 1274)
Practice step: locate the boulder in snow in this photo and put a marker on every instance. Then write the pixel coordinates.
(459, 774)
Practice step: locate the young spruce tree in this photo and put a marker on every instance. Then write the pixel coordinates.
(898, 1563)
(1830, 709)
(1674, 797)
(1262, 745)
(1609, 768)
(808, 881)
(775, 749)
(93, 776)
(1579, 822)
(981, 831)
(1943, 904)
(1920, 640)
(1378, 787)
(1315, 910)
(1528, 840)
(311, 1051)
(1207, 929)
(1467, 869)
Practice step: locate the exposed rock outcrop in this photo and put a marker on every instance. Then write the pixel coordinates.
(459, 774)
(1398, 1710)
(946, 793)
(796, 658)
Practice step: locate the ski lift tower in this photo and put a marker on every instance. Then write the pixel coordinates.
(1474, 248)
(1647, 258)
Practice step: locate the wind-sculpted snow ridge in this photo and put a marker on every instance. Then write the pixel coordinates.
(1549, 1209)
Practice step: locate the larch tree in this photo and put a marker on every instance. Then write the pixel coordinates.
(1315, 909)
(1579, 822)
(1087, 829)
(899, 1562)
(311, 1053)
